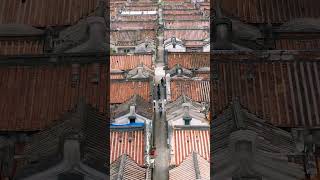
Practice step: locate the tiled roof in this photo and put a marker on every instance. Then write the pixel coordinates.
(117, 75)
(142, 8)
(203, 75)
(272, 11)
(236, 117)
(296, 44)
(188, 60)
(186, 24)
(187, 34)
(197, 90)
(194, 167)
(128, 62)
(127, 141)
(131, 35)
(137, 18)
(46, 12)
(125, 168)
(185, 141)
(266, 146)
(197, 44)
(142, 107)
(21, 46)
(121, 90)
(45, 148)
(129, 25)
(168, 6)
(285, 93)
(181, 12)
(183, 17)
(35, 96)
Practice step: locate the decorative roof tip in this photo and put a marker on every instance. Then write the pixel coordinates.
(196, 165)
(101, 9)
(218, 9)
(237, 114)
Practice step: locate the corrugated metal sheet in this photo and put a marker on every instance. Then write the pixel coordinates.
(186, 24)
(128, 62)
(197, 90)
(271, 11)
(121, 91)
(42, 13)
(188, 140)
(187, 34)
(19, 47)
(120, 145)
(35, 96)
(189, 60)
(293, 44)
(284, 93)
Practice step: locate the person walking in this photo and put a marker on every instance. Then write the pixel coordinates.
(159, 92)
(162, 82)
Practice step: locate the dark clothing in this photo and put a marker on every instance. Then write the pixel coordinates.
(162, 82)
(159, 92)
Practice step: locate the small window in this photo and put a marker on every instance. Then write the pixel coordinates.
(187, 121)
(132, 119)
